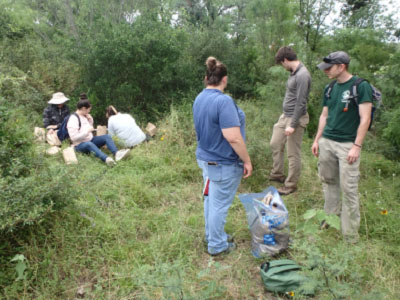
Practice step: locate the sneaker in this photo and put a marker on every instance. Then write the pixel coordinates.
(121, 154)
(280, 179)
(324, 225)
(286, 190)
(231, 247)
(110, 162)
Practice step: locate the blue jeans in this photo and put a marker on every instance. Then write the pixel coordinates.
(224, 181)
(96, 143)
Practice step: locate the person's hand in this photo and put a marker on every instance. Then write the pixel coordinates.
(353, 154)
(289, 130)
(247, 170)
(314, 149)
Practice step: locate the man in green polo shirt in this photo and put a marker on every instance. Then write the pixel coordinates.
(342, 127)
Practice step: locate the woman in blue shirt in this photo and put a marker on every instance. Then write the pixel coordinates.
(221, 153)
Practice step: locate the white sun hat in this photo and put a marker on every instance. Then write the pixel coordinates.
(58, 98)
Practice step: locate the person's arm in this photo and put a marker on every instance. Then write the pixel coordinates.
(364, 110)
(303, 84)
(235, 139)
(321, 126)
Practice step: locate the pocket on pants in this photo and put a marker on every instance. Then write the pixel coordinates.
(304, 120)
(353, 177)
(214, 172)
(281, 121)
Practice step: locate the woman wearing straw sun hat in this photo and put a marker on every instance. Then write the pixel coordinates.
(55, 112)
(53, 115)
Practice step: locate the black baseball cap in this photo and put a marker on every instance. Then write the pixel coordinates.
(335, 58)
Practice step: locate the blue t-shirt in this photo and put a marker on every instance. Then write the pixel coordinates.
(212, 112)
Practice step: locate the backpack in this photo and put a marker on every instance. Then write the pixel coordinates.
(376, 96)
(62, 132)
(283, 276)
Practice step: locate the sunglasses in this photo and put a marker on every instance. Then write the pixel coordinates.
(327, 60)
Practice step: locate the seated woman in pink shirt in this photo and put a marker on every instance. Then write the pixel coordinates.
(82, 137)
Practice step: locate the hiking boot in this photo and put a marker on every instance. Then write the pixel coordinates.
(121, 154)
(231, 247)
(110, 162)
(280, 179)
(286, 190)
(324, 225)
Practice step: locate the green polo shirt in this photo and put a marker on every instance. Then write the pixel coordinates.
(342, 126)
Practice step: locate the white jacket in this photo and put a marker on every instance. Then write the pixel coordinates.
(124, 127)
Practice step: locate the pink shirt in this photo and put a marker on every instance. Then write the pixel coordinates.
(82, 135)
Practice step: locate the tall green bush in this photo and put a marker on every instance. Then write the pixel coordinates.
(30, 187)
(136, 67)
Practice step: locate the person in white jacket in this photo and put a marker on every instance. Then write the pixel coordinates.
(124, 127)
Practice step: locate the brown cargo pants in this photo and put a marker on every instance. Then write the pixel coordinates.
(278, 142)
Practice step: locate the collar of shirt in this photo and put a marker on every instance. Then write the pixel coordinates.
(297, 69)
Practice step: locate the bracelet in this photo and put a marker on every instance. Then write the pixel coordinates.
(357, 145)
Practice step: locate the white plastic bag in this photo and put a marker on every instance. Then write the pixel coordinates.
(268, 221)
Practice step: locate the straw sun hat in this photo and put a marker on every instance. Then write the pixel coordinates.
(58, 98)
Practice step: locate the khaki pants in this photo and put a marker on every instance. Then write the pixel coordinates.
(278, 142)
(338, 176)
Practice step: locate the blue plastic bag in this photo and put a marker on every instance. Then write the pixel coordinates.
(268, 221)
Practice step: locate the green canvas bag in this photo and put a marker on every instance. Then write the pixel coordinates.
(283, 276)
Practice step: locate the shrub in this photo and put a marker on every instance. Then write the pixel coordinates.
(392, 132)
(30, 187)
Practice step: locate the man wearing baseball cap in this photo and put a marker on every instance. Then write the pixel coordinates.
(342, 127)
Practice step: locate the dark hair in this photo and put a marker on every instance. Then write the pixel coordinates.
(83, 96)
(285, 52)
(216, 70)
(83, 103)
(110, 110)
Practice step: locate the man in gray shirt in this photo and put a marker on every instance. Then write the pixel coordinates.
(291, 124)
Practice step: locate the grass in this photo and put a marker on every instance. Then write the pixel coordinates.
(136, 230)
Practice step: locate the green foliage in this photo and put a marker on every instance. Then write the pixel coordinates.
(16, 88)
(366, 47)
(392, 132)
(135, 67)
(20, 266)
(137, 230)
(30, 187)
(11, 25)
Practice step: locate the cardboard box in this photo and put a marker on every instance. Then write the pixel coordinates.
(70, 156)
(101, 130)
(151, 129)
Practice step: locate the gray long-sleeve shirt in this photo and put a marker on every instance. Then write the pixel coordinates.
(297, 90)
